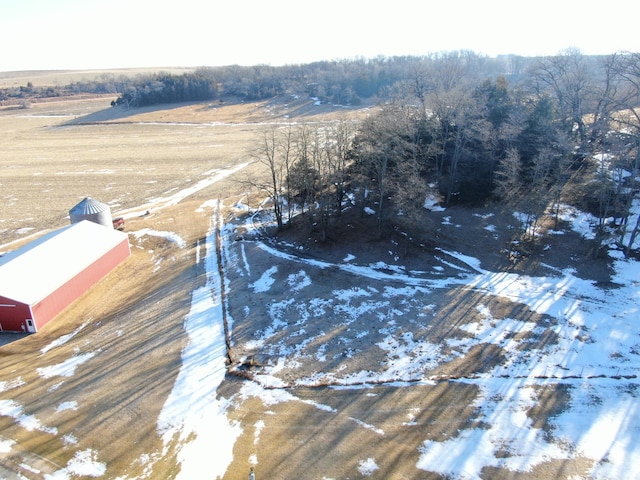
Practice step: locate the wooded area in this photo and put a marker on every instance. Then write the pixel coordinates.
(564, 131)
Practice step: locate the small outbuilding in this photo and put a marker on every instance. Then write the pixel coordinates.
(42, 278)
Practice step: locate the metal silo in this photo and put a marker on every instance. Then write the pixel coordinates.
(92, 210)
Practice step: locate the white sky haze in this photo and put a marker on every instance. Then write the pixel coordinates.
(93, 34)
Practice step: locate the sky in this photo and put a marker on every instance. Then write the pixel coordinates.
(93, 34)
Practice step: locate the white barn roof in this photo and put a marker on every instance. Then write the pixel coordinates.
(32, 272)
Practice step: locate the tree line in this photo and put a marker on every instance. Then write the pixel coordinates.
(164, 88)
(566, 130)
(348, 81)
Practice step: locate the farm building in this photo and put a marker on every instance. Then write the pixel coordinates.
(42, 278)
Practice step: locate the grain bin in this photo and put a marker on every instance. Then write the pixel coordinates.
(92, 210)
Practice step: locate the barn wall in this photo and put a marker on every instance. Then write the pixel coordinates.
(12, 319)
(57, 301)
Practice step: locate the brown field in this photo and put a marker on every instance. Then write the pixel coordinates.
(55, 154)
(46, 78)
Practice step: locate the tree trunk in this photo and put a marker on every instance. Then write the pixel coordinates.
(632, 238)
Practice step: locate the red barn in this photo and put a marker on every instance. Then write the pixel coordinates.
(42, 278)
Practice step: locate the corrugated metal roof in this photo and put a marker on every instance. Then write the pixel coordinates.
(89, 206)
(32, 272)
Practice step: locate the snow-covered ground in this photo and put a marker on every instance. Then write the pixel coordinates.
(596, 354)
(192, 406)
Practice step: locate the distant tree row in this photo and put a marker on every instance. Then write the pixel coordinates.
(341, 82)
(565, 130)
(166, 88)
(28, 91)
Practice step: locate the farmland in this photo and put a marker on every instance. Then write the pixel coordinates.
(55, 154)
(379, 359)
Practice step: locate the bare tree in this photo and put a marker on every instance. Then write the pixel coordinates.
(374, 151)
(268, 154)
(606, 94)
(382, 145)
(303, 175)
(337, 149)
(566, 78)
(529, 196)
(508, 177)
(628, 119)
